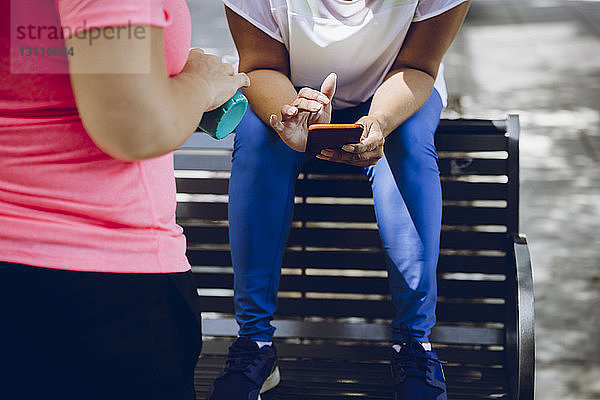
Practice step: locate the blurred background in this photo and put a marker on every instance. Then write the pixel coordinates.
(539, 59)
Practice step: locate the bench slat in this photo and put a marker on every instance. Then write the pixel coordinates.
(471, 126)
(221, 161)
(348, 259)
(335, 308)
(452, 190)
(458, 167)
(451, 215)
(353, 331)
(352, 238)
(360, 285)
(471, 142)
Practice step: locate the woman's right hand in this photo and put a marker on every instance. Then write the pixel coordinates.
(310, 107)
(220, 80)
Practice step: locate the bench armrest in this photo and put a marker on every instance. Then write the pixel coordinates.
(520, 336)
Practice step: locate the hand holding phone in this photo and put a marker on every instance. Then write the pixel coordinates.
(332, 136)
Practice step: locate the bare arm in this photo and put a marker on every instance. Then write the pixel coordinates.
(409, 83)
(130, 107)
(406, 87)
(266, 62)
(272, 95)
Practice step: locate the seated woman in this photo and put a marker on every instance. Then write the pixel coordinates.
(386, 57)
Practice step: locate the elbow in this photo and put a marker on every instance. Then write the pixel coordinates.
(427, 71)
(124, 153)
(249, 66)
(422, 75)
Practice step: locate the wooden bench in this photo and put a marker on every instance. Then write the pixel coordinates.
(333, 316)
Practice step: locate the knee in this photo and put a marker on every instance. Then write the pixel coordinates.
(412, 145)
(256, 142)
(259, 153)
(253, 133)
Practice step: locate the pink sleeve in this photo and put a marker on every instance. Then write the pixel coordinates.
(81, 15)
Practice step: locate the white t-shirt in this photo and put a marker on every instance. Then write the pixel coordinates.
(358, 39)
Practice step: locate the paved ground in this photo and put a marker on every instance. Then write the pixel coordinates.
(540, 59)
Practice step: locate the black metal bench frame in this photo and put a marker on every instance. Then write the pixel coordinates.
(332, 329)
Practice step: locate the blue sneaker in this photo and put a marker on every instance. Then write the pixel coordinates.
(417, 373)
(249, 371)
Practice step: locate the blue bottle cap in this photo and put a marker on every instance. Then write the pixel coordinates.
(233, 112)
(220, 122)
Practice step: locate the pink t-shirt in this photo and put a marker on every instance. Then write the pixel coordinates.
(64, 203)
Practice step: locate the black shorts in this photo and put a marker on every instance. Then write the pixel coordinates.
(87, 335)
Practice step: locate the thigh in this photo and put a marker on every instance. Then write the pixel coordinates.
(414, 140)
(145, 339)
(93, 335)
(406, 184)
(257, 144)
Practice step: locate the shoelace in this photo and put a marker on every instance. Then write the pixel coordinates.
(412, 361)
(239, 359)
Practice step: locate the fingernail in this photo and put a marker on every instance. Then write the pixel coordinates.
(327, 153)
(323, 99)
(348, 147)
(320, 157)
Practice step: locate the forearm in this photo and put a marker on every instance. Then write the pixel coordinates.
(185, 101)
(270, 90)
(402, 93)
(149, 122)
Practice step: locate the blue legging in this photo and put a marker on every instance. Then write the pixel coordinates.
(408, 205)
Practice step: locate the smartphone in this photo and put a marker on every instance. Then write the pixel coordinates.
(332, 136)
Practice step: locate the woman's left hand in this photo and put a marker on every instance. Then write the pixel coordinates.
(363, 154)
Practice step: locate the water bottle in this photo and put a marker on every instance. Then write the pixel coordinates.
(219, 123)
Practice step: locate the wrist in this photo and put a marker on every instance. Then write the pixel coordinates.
(381, 120)
(198, 91)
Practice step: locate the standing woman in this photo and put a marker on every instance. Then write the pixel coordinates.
(96, 295)
(386, 56)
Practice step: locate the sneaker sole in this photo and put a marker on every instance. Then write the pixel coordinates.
(272, 381)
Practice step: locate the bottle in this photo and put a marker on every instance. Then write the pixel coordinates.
(220, 122)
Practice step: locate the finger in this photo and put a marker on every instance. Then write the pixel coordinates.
(288, 111)
(369, 144)
(276, 124)
(307, 105)
(360, 163)
(312, 94)
(212, 58)
(242, 80)
(360, 147)
(371, 141)
(370, 156)
(228, 69)
(347, 162)
(337, 155)
(196, 50)
(328, 86)
(366, 145)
